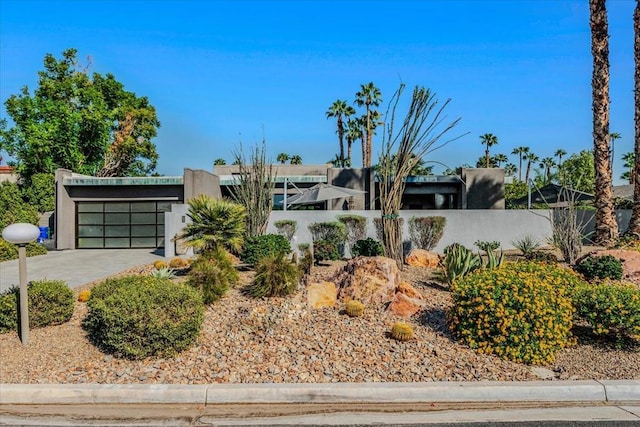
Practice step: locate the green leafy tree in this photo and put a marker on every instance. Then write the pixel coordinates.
(86, 123)
(41, 192)
(513, 192)
(13, 208)
(577, 172)
(488, 140)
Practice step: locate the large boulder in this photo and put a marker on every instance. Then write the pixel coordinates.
(323, 294)
(370, 280)
(422, 258)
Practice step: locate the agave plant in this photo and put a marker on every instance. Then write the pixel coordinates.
(460, 261)
(164, 273)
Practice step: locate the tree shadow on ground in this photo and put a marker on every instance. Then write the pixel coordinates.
(585, 336)
(436, 319)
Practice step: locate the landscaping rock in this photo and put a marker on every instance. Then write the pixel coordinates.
(408, 290)
(323, 294)
(370, 280)
(422, 258)
(404, 306)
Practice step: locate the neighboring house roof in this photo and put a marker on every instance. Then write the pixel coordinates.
(623, 191)
(554, 195)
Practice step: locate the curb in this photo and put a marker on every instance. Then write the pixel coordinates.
(624, 391)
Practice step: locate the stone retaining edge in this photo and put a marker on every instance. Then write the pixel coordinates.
(437, 392)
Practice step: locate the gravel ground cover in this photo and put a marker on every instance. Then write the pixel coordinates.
(282, 340)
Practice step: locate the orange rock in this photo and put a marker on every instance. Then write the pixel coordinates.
(408, 290)
(422, 258)
(404, 306)
(370, 280)
(322, 294)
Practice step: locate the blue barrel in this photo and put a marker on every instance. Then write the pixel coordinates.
(44, 234)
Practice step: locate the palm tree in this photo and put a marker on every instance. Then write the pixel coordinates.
(219, 162)
(216, 223)
(510, 169)
(520, 152)
(354, 132)
(629, 160)
(530, 158)
(488, 140)
(634, 222)
(500, 158)
(560, 153)
(282, 158)
(295, 160)
(606, 225)
(369, 96)
(546, 164)
(612, 139)
(340, 110)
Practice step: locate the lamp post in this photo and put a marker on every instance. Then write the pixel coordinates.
(21, 234)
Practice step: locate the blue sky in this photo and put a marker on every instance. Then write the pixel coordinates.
(222, 72)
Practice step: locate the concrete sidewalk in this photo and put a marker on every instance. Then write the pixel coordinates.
(76, 267)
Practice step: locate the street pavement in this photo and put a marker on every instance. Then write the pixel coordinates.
(76, 267)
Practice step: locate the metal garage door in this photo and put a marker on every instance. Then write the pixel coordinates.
(120, 224)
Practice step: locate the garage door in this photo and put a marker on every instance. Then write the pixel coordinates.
(120, 224)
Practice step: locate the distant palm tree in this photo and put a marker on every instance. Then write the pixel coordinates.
(546, 164)
(369, 96)
(612, 139)
(510, 169)
(219, 162)
(354, 132)
(282, 158)
(488, 140)
(560, 153)
(606, 224)
(340, 110)
(521, 152)
(629, 160)
(500, 158)
(295, 160)
(530, 158)
(634, 222)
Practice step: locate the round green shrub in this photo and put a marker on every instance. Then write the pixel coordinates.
(9, 310)
(275, 276)
(367, 247)
(9, 251)
(325, 250)
(141, 316)
(258, 247)
(521, 311)
(610, 309)
(541, 256)
(600, 267)
(212, 273)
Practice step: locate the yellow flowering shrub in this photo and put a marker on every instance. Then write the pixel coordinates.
(521, 312)
(610, 309)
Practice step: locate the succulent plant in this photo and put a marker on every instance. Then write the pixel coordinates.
(354, 308)
(159, 264)
(178, 262)
(164, 273)
(402, 331)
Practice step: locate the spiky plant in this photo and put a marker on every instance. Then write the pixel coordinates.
(402, 331)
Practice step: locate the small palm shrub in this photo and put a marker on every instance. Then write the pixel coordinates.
(427, 231)
(159, 264)
(140, 316)
(286, 227)
(51, 302)
(354, 308)
(610, 309)
(367, 247)
(402, 331)
(258, 247)
(212, 273)
(600, 267)
(522, 313)
(178, 262)
(526, 244)
(275, 276)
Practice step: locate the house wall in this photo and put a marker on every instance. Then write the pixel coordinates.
(197, 182)
(484, 188)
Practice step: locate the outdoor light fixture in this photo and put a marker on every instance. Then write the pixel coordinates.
(21, 234)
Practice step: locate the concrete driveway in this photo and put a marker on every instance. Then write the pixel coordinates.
(76, 267)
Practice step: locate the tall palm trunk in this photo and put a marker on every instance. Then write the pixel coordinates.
(367, 162)
(606, 223)
(341, 138)
(634, 223)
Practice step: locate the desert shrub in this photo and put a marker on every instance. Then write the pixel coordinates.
(526, 244)
(610, 309)
(541, 256)
(178, 262)
(427, 231)
(159, 264)
(600, 267)
(367, 247)
(487, 246)
(83, 296)
(258, 247)
(402, 331)
(9, 251)
(275, 276)
(286, 227)
(140, 316)
(459, 261)
(334, 231)
(356, 226)
(324, 250)
(306, 261)
(522, 312)
(51, 302)
(212, 273)
(354, 308)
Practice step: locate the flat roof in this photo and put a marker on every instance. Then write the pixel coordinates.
(233, 179)
(142, 180)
